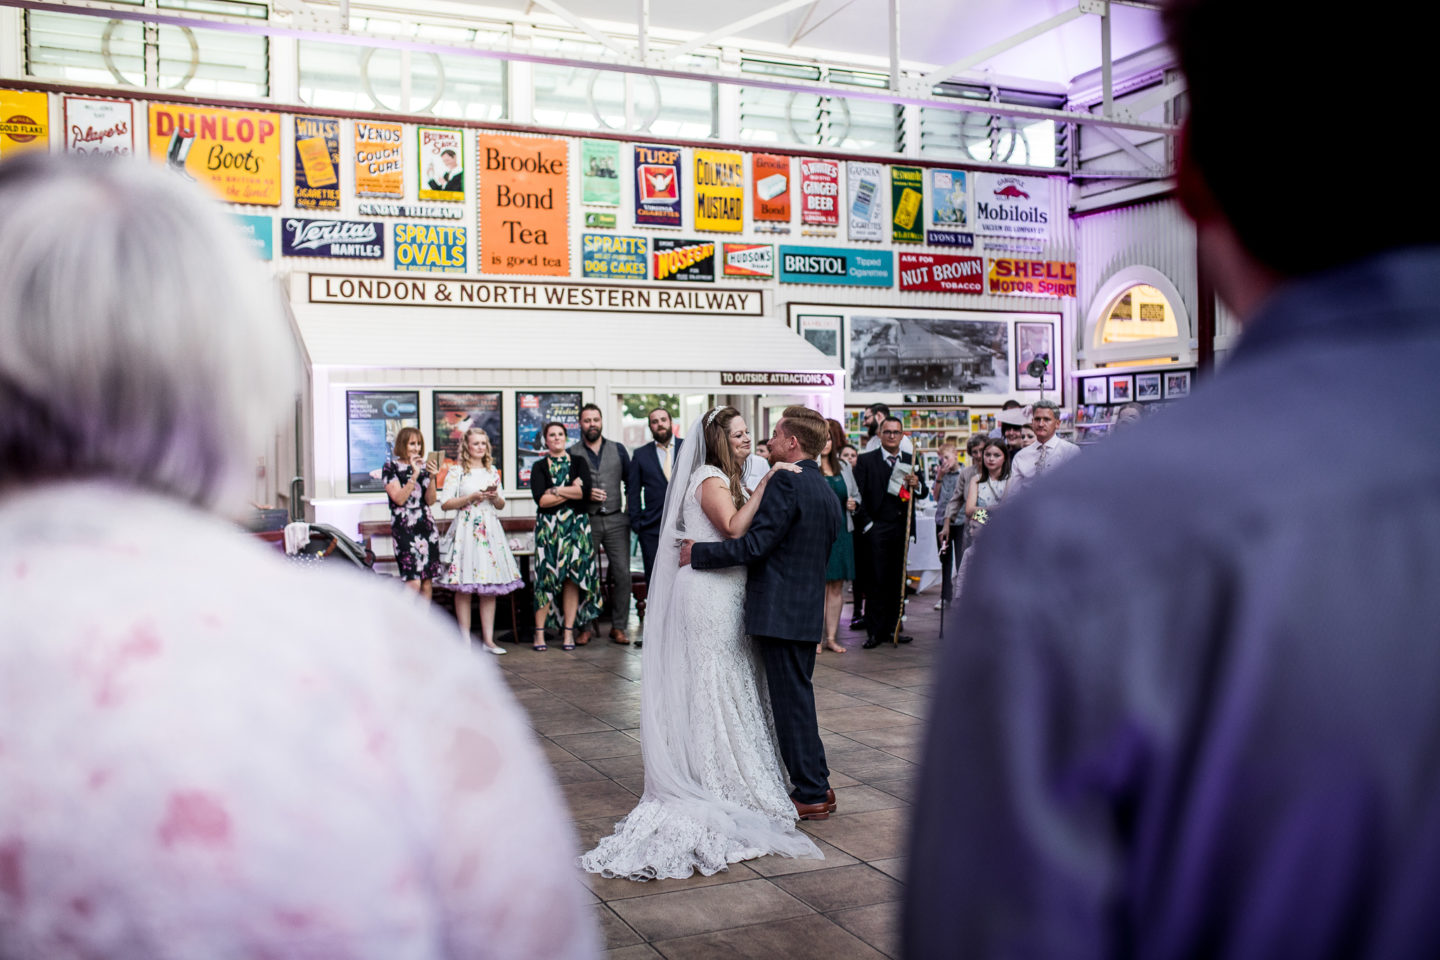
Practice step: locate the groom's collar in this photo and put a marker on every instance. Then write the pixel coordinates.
(803, 464)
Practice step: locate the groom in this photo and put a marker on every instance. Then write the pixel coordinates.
(786, 548)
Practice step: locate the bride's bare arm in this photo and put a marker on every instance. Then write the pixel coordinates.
(719, 507)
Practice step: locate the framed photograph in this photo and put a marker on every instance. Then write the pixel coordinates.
(456, 411)
(373, 418)
(1092, 390)
(1122, 388)
(533, 411)
(824, 333)
(1177, 385)
(1033, 341)
(1147, 386)
(889, 350)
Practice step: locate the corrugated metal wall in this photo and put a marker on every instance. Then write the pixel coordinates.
(1156, 234)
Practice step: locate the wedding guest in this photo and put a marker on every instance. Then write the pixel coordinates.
(948, 476)
(885, 538)
(1129, 413)
(480, 562)
(875, 417)
(1211, 731)
(841, 565)
(1049, 451)
(567, 574)
(955, 530)
(410, 487)
(849, 454)
(1027, 438)
(998, 431)
(1009, 423)
(985, 491)
(647, 483)
(609, 464)
(762, 450)
(283, 763)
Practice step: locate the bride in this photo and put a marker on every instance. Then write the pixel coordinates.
(715, 790)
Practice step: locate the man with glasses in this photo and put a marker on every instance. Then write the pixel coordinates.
(885, 537)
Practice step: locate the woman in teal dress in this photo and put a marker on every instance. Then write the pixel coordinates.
(565, 561)
(841, 566)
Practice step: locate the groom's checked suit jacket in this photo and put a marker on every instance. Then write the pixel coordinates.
(786, 547)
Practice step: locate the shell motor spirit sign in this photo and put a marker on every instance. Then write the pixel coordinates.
(1032, 278)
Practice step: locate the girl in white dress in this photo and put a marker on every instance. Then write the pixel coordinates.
(715, 790)
(480, 562)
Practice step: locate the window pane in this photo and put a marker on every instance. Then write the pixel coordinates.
(66, 47)
(222, 63)
(332, 75)
(1140, 313)
(575, 98)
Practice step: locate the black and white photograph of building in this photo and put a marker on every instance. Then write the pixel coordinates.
(888, 354)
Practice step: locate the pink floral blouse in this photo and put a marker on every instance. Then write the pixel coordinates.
(206, 752)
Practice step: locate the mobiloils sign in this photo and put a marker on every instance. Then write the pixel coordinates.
(837, 267)
(1012, 206)
(338, 239)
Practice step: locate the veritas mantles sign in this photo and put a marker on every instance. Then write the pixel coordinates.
(536, 295)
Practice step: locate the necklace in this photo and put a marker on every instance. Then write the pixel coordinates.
(994, 497)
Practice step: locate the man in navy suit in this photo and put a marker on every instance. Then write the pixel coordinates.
(648, 480)
(885, 537)
(786, 548)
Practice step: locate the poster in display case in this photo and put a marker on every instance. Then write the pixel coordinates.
(456, 411)
(533, 411)
(373, 418)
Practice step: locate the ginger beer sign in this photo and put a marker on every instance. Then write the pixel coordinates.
(524, 205)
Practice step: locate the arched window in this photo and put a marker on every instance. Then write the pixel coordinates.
(1137, 315)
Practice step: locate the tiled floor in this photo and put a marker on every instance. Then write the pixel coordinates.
(585, 706)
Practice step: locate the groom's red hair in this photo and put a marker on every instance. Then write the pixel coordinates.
(806, 426)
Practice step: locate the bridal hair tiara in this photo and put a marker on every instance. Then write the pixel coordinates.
(710, 417)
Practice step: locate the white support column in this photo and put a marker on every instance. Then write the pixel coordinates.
(12, 43)
(727, 99)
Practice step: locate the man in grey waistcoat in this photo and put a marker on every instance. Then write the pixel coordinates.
(609, 524)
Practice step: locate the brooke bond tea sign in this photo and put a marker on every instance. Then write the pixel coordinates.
(1032, 278)
(719, 191)
(771, 177)
(340, 239)
(379, 160)
(819, 192)
(235, 152)
(691, 260)
(942, 273)
(317, 163)
(102, 128)
(657, 186)
(524, 205)
(1012, 206)
(749, 260)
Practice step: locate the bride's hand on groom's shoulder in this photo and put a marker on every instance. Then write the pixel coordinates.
(785, 467)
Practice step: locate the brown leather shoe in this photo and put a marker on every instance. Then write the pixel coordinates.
(830, 800)
(618, 636)
(811, 811)
(583, 637)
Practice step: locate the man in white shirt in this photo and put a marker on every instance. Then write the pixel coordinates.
(1048, 451)
(877, 415)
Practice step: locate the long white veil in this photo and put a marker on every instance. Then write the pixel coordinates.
(672, 760)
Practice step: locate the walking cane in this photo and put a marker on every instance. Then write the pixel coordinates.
(904, 570)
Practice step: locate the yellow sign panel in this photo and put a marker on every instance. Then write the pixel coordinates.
(235, 152)
(379, 160)
(24, 122)
(719, 191)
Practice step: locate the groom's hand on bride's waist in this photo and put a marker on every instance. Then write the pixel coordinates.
(685, 546)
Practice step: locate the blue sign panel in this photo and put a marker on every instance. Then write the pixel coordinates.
(624, 258)
(837, 266)
(342, 239)
(258, 234)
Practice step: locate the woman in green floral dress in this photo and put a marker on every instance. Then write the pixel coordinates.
(565, 561)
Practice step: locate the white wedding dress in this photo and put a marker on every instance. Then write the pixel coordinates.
(715, 786)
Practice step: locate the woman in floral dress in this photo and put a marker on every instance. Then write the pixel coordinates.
(480, 562)
(411, 488)
(565, 562)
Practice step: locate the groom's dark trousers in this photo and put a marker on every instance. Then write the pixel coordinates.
(786, 549)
